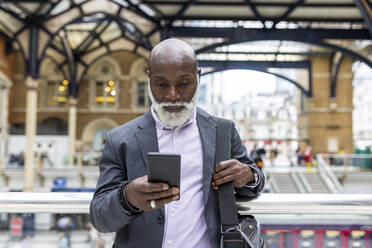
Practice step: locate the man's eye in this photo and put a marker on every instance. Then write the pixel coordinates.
(161, 85)
(183, 84)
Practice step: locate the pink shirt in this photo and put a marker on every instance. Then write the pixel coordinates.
(185, 224)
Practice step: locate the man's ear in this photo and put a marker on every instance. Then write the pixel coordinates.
(199, 73)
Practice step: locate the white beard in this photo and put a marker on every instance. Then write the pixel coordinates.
(174, 119)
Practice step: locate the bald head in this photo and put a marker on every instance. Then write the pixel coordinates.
(172, 52)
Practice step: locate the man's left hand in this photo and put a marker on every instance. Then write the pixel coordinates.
(232, 171)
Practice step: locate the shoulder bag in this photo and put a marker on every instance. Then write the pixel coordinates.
(236, 233)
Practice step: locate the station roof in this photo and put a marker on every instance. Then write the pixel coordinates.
(221, 31)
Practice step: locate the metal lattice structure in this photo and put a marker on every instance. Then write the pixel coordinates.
(278, 34)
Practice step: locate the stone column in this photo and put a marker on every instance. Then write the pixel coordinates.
(72, 114)
(327, 122)
(31, 122)
(3, 121)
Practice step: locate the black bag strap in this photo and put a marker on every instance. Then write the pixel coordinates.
(226, 196)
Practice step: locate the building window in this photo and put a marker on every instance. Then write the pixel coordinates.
(105, 93)
(140, 99)
(141, 94)
(56, 93)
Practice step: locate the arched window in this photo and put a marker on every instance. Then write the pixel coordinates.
(105, 93)
(54, 88)
(104, 83)
(94, 134)
(55, 92)
(138, 73)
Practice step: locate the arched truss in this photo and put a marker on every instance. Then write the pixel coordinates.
(262, 68)
(36, 28)
(336, 56)
(302, 39)
(122, 36)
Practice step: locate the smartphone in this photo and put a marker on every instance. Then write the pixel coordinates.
(164, 167)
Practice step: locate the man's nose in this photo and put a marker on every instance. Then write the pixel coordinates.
(173, 94)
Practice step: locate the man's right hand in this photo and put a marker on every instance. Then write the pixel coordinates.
(139, 193)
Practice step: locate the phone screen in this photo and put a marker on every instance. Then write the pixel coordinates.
(164, 167)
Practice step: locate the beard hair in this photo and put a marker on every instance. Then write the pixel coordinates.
(174, 119)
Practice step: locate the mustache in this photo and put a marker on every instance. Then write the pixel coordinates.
(173, 104)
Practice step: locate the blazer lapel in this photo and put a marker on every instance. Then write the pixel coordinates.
(207, 129)
(147, 138)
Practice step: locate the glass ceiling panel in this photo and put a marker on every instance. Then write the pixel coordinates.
(75, 38)
(81, 26)
(13, 8)
(101, 26)
(57, 42)
(4, 30)
(130, 36)
(60, 7)
(255, 46)
(113, 31)
(334, 25)
(274, 46)
(250, 57)
(197, 43)
(30, 6)
(206, 24)
(95, 44)
(258, 24)
(147, 10)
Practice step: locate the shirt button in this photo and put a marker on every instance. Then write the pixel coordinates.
(173, 210)
(159, 219)
(169, 242)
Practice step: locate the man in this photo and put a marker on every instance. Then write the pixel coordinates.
(153, 214)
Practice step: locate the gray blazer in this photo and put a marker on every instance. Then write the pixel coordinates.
(123, 159)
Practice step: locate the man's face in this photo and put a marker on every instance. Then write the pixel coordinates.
(173, 89)
(173, 83)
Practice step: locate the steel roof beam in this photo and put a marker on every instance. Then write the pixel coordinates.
(258, 4)
(254, 10)
(315, 53)
(366, 11)
(184, 8)
(257, 65)
(72, 87)
(335, 65)
(241, 18)
(289, 11)
(279, 34)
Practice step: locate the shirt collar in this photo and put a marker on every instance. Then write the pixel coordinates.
(160, 125)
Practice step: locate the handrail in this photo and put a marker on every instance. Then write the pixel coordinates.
(297, 182)
(305, 182)
(335, 185)
(330, 155)
(62, 202)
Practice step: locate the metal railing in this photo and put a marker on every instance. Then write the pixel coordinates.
(328, 176)
(349, 160)
(343, 204)
(54, 160)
